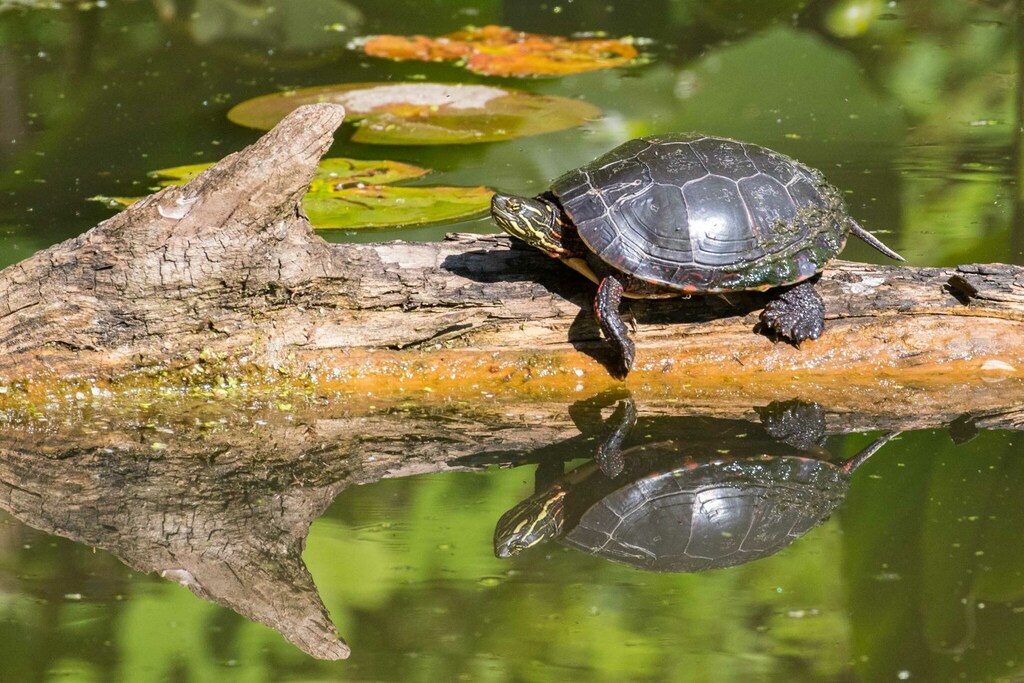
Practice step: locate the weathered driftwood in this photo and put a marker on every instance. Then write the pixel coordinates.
(219, 496)
(223, 280)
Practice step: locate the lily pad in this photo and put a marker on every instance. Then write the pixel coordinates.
(426, 113)
(352, 194)
(502, 51)
(385, 206)
(336, 170)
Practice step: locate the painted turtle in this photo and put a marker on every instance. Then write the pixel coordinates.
(681, 213)
(671, 511)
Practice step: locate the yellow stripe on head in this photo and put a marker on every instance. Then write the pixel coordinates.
(537, 518)
(531, 220)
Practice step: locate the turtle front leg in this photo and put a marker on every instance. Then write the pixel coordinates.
(606, 309)
(609, 453)
(796, 314)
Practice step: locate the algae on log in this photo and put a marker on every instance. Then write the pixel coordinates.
(223, 280)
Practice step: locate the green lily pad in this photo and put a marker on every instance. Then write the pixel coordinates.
(329, 170)
(383, 206)
(427, 113)
(353, 194)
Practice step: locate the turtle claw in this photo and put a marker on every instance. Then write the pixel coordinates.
(611, 464)
(797, 314)
(626, 355)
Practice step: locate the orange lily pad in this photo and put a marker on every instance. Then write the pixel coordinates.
(426, 113)
(502, 51)
(353, 194)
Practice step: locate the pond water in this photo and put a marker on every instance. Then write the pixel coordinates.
(912, 107)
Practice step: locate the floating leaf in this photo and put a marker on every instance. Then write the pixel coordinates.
(352, 194)
(426, 113)
(380, 206)
(330, 170)
(501, 51)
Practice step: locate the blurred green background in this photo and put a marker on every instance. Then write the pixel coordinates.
(912, 107)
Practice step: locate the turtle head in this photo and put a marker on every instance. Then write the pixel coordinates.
(537, 518)
(534, 221)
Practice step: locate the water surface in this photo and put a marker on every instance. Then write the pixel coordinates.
(917, 576)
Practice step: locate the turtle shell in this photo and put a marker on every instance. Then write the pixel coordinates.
(711, 515)
(705, 214)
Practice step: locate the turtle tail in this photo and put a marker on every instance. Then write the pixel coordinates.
(872, 448)
(860, 232)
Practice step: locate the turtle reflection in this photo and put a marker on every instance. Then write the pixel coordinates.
(669, 506)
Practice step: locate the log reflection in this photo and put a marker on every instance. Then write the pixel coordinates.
(220, 496)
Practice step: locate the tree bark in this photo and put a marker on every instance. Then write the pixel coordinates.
(224, 280)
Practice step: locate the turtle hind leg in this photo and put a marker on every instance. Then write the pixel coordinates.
(796, 313)
(795, 423)
(606, 309)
